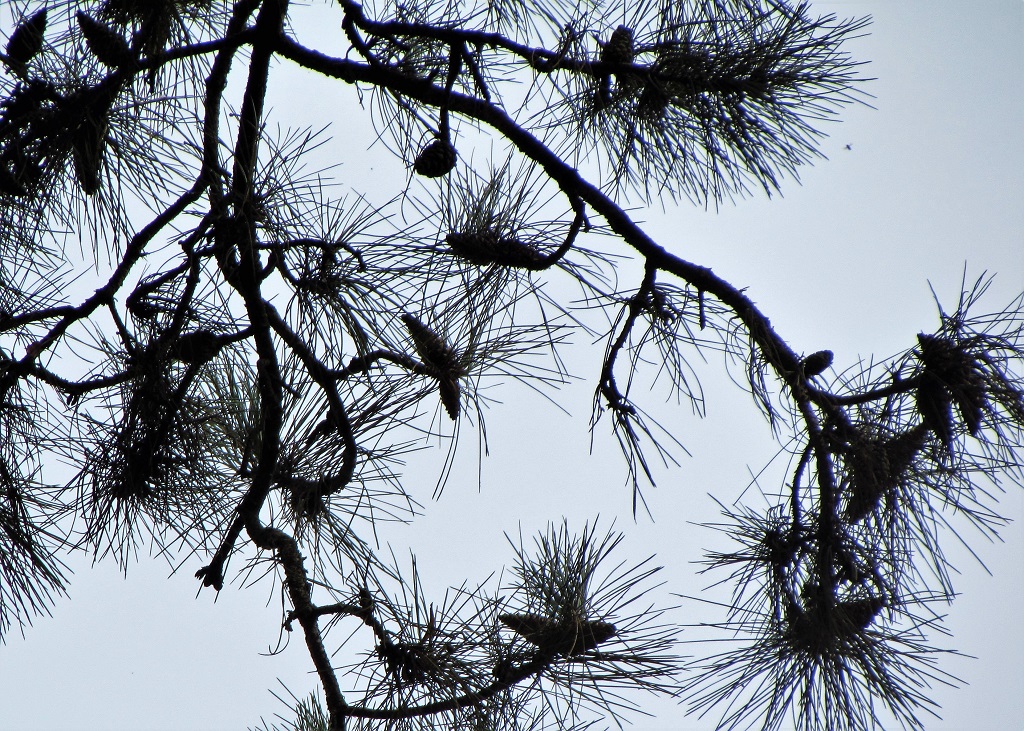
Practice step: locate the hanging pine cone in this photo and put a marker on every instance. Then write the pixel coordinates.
(441, 359)
(960, 374)
(305, 500)
(970, 402)
(26, 41)
(105, 43)
(450, 393)
(87, 151)
(436, 160)
(486, 247)
(935, 407)
(816, 363)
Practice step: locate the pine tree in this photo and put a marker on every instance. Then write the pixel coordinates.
(259, 352)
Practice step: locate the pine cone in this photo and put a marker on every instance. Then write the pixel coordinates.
(960, 374)
(816, 363)
(559, 638)
(105, 43)
(449, 391)
(951, 368)
(197, 346)
(486, 247)
(876, 468)
(436, 160)
(970, 402)
(26, 40)
(618, 49)
(935, 407)
(87, 152)
(856, 615)
(432, 349)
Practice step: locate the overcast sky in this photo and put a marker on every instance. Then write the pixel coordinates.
(933, 180)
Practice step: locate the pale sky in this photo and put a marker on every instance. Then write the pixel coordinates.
(933, 181)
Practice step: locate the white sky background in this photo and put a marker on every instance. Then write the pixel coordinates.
(934, 180)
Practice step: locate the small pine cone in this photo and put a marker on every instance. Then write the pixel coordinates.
(935, 407)
(940, 356)
(105, 43)
(876, 468)
(366, 603)
(87, 153)
(867, 481)
(970, 402)
(653, 101)
(816, 363)
(436, 160)
(26, 40)
(450, 395)
(530, 626)
(142, 308)
(619, 48)
(197, 346)
(856, 615)
(432, 349)
(475, 247)
(305, 500)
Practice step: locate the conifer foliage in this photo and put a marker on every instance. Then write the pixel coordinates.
(257, 351)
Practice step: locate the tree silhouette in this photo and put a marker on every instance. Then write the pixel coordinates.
(255, 354)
